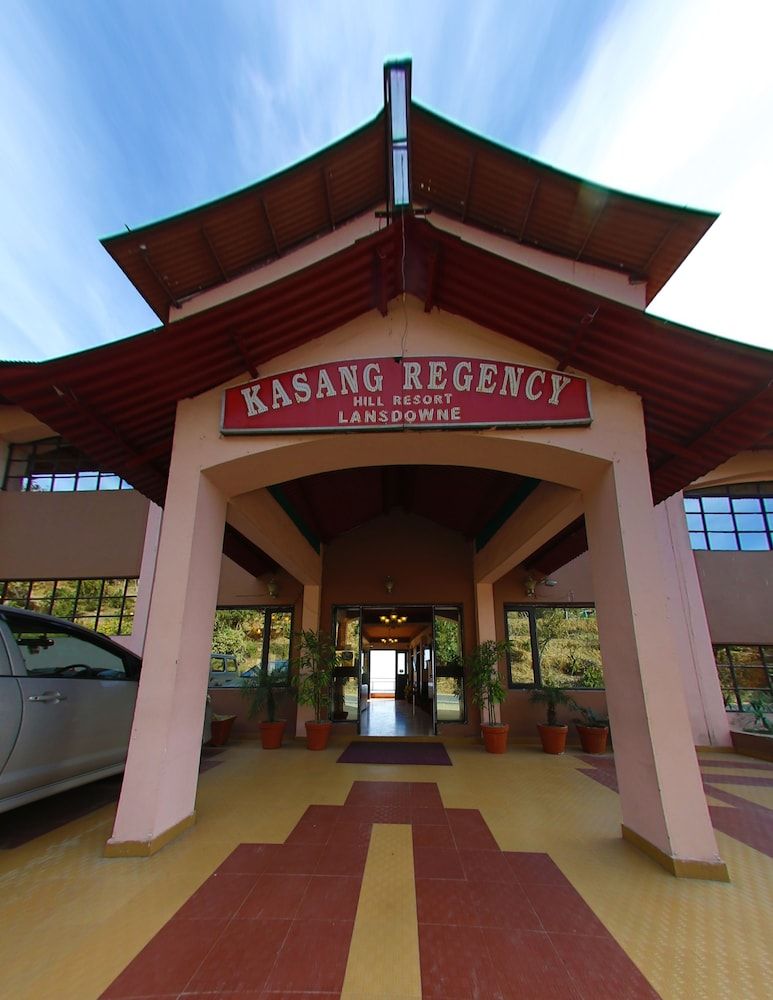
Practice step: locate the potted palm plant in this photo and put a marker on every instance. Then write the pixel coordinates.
(488, 691)
(552, 733)
(313, 664)
(259, 690)
(593, 729)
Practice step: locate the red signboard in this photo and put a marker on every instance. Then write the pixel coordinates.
(406, 393)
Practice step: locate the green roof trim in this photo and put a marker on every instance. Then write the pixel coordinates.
(282, 499)
(509, 507)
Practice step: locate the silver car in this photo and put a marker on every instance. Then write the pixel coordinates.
(66, 705)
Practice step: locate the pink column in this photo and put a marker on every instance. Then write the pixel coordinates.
(687, 615)
(661, 795)
(159, 789)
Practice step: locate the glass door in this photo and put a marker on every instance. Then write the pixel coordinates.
(347, 678)
(448, 668)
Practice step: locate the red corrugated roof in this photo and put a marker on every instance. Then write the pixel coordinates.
(453, 171)
(704, 398)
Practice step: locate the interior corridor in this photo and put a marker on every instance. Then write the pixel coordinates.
(394, 717)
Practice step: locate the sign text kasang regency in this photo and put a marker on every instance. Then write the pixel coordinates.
(406, 393)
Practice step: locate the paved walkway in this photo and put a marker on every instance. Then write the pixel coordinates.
(497, 877)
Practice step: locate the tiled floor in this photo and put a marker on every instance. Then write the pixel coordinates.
(497, 877)
(394, 717)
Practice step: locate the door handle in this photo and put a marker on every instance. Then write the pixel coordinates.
(47, 697)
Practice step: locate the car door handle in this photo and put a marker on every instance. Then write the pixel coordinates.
(48, 696)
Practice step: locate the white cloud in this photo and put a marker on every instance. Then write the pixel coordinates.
(677, 104)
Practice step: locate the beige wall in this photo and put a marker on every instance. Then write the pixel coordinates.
(738, 595)
(71, 535)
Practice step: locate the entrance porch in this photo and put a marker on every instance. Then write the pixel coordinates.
(193, 929)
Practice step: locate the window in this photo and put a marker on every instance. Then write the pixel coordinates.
(52, 465)
(49, 651)
(745, 674)
(731, 518)
(245, 640)
(558, 643)
(106, 606)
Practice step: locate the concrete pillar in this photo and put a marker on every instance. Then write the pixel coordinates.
(487, 628)
(159, 788)
(310, 614)
(136, 641)
(664, 809)
(687, 616)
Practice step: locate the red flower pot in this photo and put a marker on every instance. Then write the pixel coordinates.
(221, 730)
(495, 737)
(317, 735)
(271, 734)
(553, 737)
(593, 739)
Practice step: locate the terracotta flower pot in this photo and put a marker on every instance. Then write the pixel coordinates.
(593, 739)
(221, 730)
(553, 737)
(495, 737)
(317, 735)
(271, 734)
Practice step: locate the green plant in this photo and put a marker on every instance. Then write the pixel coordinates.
(760, 708)
(258, 690)
(485, 681)
(313, 665)
(589, 717)
(551, 696)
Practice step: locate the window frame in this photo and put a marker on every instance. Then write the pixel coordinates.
(266, 610)
(530, 609)
(122, 616)
(759, 492)
(78, 468)
(765, 663)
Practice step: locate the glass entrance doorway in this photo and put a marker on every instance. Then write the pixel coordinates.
(401, 669)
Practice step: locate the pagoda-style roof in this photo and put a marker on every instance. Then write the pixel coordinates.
(705, 398)
(453, 172)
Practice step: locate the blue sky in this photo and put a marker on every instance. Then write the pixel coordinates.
(117, 113)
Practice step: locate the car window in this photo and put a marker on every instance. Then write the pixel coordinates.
(49, 651)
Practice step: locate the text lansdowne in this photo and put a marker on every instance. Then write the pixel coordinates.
(388, 392)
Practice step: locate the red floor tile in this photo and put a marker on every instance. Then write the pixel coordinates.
(563, 910)
(428, 816)
(507, 907)
(322, 814)
(424, 793)
(486, 866)
(470, 830)
(274, 897)
(329, 898)
(284, 995)
(243, 958)
(378, 792)
(167, 962)
(313, 957)
(432, 836)
(357, 814)
(292, 859)
(392, 813)
(310, 831)
(219, 897)
(351, 833)
(535, 869)
(342, 859)
(602, 971)
(455, 964)
(528, 967)
(445, 901)
(440, 862)
(246, 858)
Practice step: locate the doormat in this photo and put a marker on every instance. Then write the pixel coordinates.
(385, 752)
